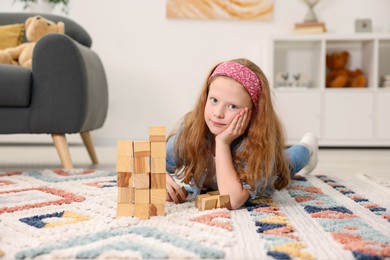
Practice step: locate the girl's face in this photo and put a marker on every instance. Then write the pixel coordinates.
(226, 98)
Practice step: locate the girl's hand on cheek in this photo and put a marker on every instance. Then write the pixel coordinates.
(236, 128)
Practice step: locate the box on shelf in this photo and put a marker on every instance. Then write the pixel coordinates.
(310, 27)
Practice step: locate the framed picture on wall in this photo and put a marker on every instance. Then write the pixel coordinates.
(220, 9)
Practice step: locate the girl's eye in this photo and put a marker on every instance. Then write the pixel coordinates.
(213, 100)
(233, 107)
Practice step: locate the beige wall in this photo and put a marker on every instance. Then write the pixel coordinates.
(155, 66)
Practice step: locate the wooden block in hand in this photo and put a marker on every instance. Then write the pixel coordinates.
(181, 200)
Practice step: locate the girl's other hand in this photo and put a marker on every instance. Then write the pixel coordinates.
(236, 128)
(174, 190)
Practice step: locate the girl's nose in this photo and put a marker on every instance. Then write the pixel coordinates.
(218, 113)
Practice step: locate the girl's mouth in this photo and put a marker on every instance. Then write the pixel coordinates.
(217, 124)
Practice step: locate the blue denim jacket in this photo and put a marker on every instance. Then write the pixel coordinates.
(257, 191)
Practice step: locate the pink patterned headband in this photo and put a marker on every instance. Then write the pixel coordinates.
(242, 75)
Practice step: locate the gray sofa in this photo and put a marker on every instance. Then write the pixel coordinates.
(65, 92)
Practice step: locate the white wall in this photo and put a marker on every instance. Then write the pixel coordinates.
(155, 66)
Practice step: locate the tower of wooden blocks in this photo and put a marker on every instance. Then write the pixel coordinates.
(141, 175)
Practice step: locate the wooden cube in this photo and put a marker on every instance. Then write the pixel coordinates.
(157, 134)
(141, 148)
(124, 148)
(124, 210)
(157, 209)
(141, 180)
(224, 202)
(158, 165)
(198, 202)
(142, 211)
(125, 195)
(141, 164)
(124, 164)
(209, 203)
(158, 180)
(158, 149)
(158, 196)
(141, 196)
(123, 179)
(213, 193)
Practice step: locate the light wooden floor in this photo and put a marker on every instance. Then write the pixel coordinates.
(375, 162)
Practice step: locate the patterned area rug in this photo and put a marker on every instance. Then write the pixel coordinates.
(71, 214)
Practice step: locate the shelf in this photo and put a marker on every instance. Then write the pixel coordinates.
(339, 116)
(287, 69)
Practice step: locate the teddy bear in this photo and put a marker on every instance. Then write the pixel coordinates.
(36, 27)
(6, 58)
(339, 76)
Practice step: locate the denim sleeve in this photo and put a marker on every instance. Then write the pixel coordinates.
(170, 160)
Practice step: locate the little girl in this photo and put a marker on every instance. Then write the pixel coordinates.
(232, 141)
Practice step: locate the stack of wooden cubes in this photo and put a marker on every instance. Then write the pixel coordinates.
(141, 175)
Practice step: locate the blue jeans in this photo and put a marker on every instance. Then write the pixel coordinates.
(298, 156)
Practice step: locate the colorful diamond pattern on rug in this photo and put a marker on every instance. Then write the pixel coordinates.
(11, 173)
(210, 219)
(59, 175)
(281, 240)
(318, 221)
(147, 252)
(54, 219)
(72, 214)
(5, 182)
(362, 200)
(23, 199)
(345, 227)
(102, 184)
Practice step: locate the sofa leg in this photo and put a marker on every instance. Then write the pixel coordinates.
(87, 139)
(62, 149)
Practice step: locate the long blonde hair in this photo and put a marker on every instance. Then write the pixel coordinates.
(261, 148)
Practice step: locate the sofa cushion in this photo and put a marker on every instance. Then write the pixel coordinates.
(11, 35)
(15, 87)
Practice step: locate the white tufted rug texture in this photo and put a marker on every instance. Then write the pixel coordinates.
(57, 214)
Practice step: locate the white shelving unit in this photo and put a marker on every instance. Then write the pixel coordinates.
(339, 117)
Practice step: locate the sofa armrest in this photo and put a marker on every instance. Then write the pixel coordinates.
(69, 90)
